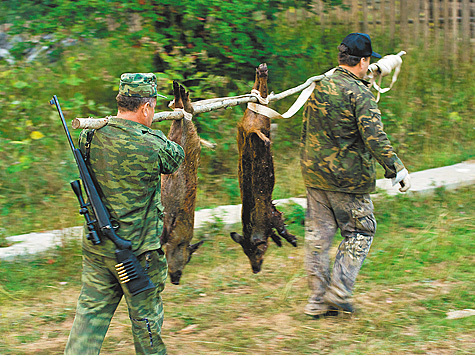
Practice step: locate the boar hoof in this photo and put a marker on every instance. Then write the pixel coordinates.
(291, 239)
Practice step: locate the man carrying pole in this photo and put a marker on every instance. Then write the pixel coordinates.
(342, 136)
(126, 158)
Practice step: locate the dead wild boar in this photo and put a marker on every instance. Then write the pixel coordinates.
(179, 191)
(256, 180)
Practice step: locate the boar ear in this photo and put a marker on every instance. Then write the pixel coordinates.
(194, 247)
(237, 238)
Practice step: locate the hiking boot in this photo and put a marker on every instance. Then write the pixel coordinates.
(316, 309)
(343, 308)
(338, 306)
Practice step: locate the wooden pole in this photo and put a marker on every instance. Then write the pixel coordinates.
(365, 16)
(446, 32)
(466, 47)
(416, 12)
(202, 106)
(436, 13)
(355, 16)
(392, 21)
(199, 107)
(426, 24)
(382, 23)
(454, 29)
(403, 22)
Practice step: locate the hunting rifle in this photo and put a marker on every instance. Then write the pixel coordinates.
(99, 224)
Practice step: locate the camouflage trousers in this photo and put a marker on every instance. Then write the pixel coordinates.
(100, 295)
(326, 212)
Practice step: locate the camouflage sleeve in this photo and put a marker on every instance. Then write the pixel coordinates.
(171, 156)
(370, 126)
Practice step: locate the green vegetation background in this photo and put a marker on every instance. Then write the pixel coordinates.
(420, 266)
(212, 47)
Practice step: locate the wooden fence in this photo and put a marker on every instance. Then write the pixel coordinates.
(446, 25)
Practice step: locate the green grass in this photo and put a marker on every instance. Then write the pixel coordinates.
(419, 268)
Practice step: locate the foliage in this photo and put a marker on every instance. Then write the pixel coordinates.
(218, 36)
(420, 264)
(212, 48)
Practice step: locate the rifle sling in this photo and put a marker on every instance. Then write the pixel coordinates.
(87, 146)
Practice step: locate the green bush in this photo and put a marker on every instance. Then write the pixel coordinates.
(213, 49)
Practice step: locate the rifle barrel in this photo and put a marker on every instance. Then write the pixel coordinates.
(65, 126)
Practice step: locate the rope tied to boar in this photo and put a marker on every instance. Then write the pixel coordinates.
(301, 100)
(186, 115)
(258, 104)
(261, 100)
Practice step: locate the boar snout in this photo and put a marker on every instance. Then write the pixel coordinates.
(175, 277)
(256, 267)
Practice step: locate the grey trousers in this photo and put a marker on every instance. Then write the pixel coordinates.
(326, 212)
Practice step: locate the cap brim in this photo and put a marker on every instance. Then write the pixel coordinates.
(160, 95)
(376, 55)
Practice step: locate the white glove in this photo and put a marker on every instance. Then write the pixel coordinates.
(405, 184)
(403, 179)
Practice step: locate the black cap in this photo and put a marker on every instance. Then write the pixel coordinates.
(359, 45)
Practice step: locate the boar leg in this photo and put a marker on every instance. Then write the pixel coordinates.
(279, 225)
(178, 98)
(262, 136)
(169, 225)
(276, 239)
(186, 100)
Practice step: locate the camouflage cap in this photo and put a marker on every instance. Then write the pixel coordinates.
(141, 85)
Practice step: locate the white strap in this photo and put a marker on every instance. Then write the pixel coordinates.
(301, 100)
(262, 100)
(264, 110)
(303, 97)
(384, 67)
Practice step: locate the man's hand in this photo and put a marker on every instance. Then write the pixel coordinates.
(402, 177)
(405, 184)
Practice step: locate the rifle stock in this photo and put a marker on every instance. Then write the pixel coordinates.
(128, 267)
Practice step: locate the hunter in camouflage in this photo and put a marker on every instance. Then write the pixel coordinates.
(342, 137)
(126, 159)
(355, 125)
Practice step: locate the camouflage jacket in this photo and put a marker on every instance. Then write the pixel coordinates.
(342, 136)
(127, 159)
